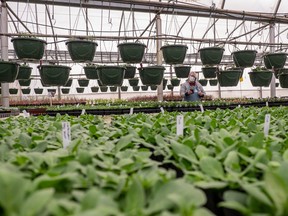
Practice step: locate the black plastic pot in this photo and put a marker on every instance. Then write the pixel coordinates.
(81, 50)
(174, 54)
(131, 52)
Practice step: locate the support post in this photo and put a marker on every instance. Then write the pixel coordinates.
(272, 49)
(4, 51)
(159, 54)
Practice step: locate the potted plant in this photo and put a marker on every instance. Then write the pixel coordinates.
(65, 90)
(95, 89)
(170, 87)
(81, 50)
(130, 72)
(8, 71)
(54, 75)
(124, 88)
(13, 90)
(203, 82)
(131, 52)
(144, 88)
(29, 48)
(26, 91)
(229, 77)
(153, 87)
(24, 72)
(136, 88)
(211, 55)
(174, 54)
(90, 71)
(103, 88)
(83, 82)
(133, 81)
(175, 81)
(244, 58)
(213, 82)
(275, 60)
(260, 76)
(80, 89)
(164, 83)
(25, 82)
(38, 90)
(113, 88)
(111, 75)
(209, 71)
(151, 75)
(283, 79)
(182, 71)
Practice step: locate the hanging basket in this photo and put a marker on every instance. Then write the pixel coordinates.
(65, 90)
(203, 82)
(124, 88)
(83, 82)
(113, 88)
(175, 82)
(27, 48)
(24, 72)
(95, 89)
(170, 87)
(69, 82)
(111, 75)
(280, 71)
(133, 81)
(26, 91)
(144, 88)
(136, 88)
(151, 75)
(13, 91)
(228, 77)
(283, 80)
(153, 87)
(91, 72)
(131, 52)
(244, 58)
(130, 72)
(103, 88)
(24, 82)
(213, 82)
(81, 50)
(8, 71)
(211, 55)
(209, 72)
(174, 54)
(54, 75)
(260, 78)
(38, 90)
(164, 83)
(182, 71)
(80, 89)
(275, 60)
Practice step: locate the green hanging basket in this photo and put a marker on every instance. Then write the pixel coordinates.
(209, 72)
(38, 90)
(182, 71)
(211, 55)
(280, 71)
(24, 82)
(228, 77)
(151, 75)
(130, 72)
(69, 82)
(8, 71)
(164, 83)
(26, 91)
(260, 78)
(65, 90)
(111, 75)
(283, 80)
(124, 88)
(144, 88)
(103, 88)
(81, 50)
(275, 60)
(175, 82)
(244, 58)
(131, 52)
(13, 91)
(203, 82)
(24, 72)
(170, 87)
(213, 82)
(174, 54)
(95, 89)
(91, 72)
(113, 88)
(136, 88)
(54, 75)
(276, 84)
(83, 82)
(153, 87)
(80, 89)
(133, 81)
(27, 48)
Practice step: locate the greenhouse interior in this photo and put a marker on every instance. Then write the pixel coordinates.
(143, 108)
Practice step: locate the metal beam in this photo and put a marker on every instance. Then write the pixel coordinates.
(178, 8)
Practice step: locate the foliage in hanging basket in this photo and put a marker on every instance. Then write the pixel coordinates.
(131, 52)
(8, 71)
(174, 54)
(24, 72)
(81, 50)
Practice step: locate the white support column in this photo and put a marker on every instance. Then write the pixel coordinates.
(159, 54)
(272, 49)
(4, 51)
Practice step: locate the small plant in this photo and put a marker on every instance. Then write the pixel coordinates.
(259, 68)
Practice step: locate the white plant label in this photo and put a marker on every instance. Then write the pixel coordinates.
(66, 134)
(180, 125)
(26, 114)
(162, 110)
(267, 103)
(131, 110)
(77, 105)
(239, 105)
(83, 112)
(201, 108)
(267, 124)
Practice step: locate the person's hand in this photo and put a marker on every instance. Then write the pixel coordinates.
(201, 94)
(189, 92)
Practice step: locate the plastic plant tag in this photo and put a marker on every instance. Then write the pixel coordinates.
(267, 103)
(239, 105)
(131, 110)
(162, 110)
(77, 105)
(201, 108)
(66, 134)
(26, 114)
(267, 124)
(83, 112)
(179, 125)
